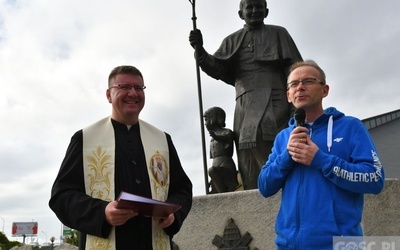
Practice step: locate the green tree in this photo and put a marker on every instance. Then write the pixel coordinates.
(3, 238)
(73, 239)
(5, 244)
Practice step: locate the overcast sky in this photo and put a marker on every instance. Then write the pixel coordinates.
(55, 57)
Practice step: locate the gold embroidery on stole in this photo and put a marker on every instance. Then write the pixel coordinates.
(99, 158)
(157, 158)
(98, 162)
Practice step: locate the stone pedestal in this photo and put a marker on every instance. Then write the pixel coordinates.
(256, 215)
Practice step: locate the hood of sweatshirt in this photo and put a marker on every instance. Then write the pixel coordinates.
(330, 115)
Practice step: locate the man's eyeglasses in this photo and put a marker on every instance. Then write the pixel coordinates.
(305, 82)
(128, 87)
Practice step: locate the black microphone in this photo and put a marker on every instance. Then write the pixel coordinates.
(300, 117)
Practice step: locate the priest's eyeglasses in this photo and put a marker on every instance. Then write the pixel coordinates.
(305, 82)
(128, 87)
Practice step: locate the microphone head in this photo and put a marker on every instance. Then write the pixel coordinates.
(300, 117)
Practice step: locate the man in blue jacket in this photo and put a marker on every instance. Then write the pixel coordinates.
(324, 168)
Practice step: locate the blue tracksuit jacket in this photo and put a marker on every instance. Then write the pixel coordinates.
(326, 198)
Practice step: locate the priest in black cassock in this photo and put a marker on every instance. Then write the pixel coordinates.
(117, 154)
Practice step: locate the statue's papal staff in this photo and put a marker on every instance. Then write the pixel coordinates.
(193, 2)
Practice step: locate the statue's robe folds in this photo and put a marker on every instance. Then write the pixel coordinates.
(256, 63)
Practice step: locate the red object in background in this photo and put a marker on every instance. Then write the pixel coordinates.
(14, 229)
(35, 228)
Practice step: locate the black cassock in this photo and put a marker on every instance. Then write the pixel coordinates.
(79, 211)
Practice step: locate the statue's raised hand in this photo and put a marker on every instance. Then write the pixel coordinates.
(196, 38)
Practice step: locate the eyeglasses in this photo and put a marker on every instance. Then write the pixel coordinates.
(128, 87)
(305, 82)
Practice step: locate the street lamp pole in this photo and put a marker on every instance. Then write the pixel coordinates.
(45, 234)
(3, 224)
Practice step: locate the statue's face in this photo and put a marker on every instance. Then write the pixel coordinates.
(253, 12)
(210, 122)
(207, 122)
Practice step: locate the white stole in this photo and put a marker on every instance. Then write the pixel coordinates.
(99, 168)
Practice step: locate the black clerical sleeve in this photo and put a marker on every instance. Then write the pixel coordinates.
(180, 189)
(68, 199)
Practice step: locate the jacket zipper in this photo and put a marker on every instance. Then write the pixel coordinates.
(298, 205)
(298, 209)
